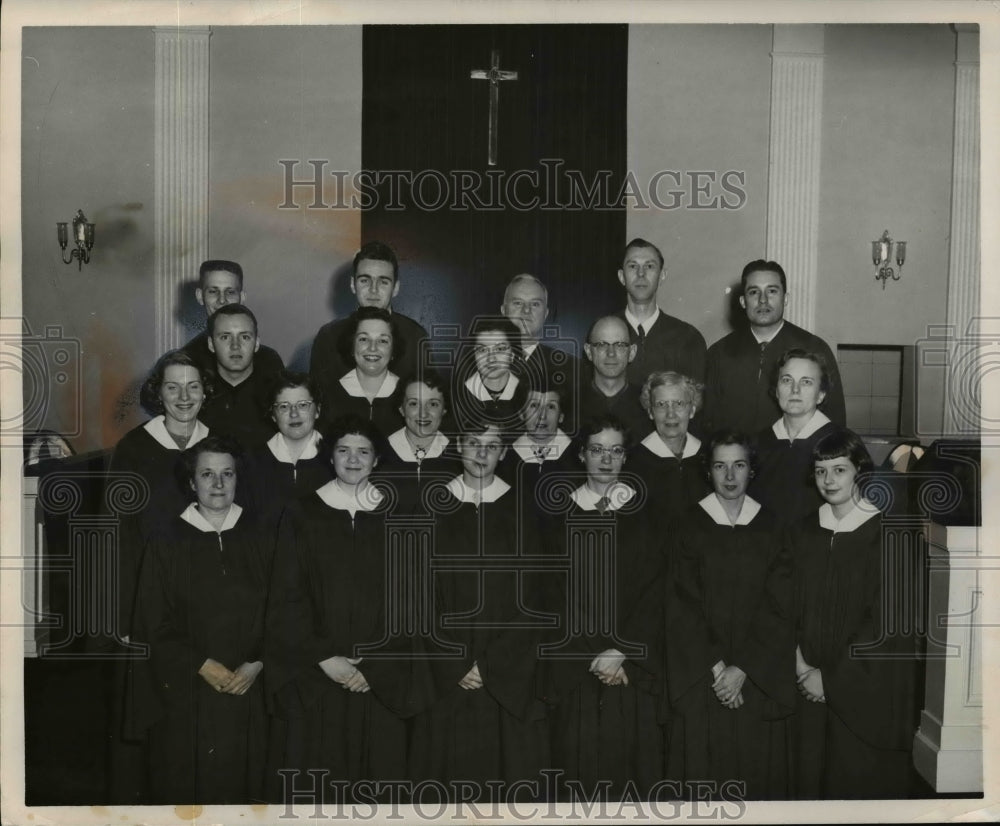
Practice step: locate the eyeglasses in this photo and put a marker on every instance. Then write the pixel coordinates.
(605, 346)
(284, 408)
(671, 404)
(495, 349)
(597, 451)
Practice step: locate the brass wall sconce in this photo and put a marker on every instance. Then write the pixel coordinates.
(83, 237)
(882, 258)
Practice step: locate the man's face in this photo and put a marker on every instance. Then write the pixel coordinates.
(609, 349)
(542, 415)
(641, 273)
(221, 288)
(234, 342)
(481, 452)
(527, 306)
(374, 284)
(764, 299)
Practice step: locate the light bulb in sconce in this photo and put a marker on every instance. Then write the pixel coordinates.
(83, 239)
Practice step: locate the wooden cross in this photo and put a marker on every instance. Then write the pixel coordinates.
(494, 75)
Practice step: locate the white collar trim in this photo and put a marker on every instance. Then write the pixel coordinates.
(524, 447)
(157, 428)
(336, 497)
(618, 495)
(279, 448)
(463, 493)
(352, 384)
(193, 517)
(858, 515)
(403, 448)
(815, 423)
(647, 325)
(474, 384)
(713, 507)
(656, 445)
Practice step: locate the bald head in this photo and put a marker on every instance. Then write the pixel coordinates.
(526, 303)
(608, 347)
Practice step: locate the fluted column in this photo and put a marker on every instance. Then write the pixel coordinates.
(181, 176)
(794, 167)
(961, 407)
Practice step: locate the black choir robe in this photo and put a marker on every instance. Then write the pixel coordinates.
(327, 599)
(239, 411)
(503, 409)
(731, 600)
(784, 481)
(670, 344)
(415, 486)
(673, 483)
(858, 743)
(265, 359)
(344, 397)
(202, 595)
(607, 734)
(624, 405)
(497, 732)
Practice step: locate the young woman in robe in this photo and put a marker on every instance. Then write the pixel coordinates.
(783, 484)
(729, 634)
(492, 372)
(855, 663)
(202, 595)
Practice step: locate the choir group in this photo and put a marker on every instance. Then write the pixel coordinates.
(519, 572)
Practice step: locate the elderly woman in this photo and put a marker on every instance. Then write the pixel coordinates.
(729, 634)
(201, 602)
(854, 655)
(604, 683)
(327, 601)
(372, 343)
(669, 460)
(783, 484)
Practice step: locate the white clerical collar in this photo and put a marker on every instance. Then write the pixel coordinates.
(157, 428)
(617, 495)
(656, 446)
(463, 493)
(862, 511)
(352, 384)
(193, 517)
(474, 384)
(770, 338)
(332, 494)
(279, 448)
(405, 451)
(713, 507)
(532, 451)
(815, 423)
(647, 324)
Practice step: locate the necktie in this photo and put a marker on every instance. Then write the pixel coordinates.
(602, 504)
(760, 364)
(642, 334)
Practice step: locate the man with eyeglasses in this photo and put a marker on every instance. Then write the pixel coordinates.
(661, 341)
(220, 282)
(609, 392)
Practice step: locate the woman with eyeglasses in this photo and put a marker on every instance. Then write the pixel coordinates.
(335, 706)
(729, 634)
(670, 460)
(492, 372)
(603, 667)
(784, 485)
(371, 342)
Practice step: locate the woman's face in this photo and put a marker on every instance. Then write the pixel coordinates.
(835, 479)
(798, 389)
(181, 393)
(353, 458)
(730, 470)
(604, 455)
(494, 355)
(670, 410)
(422, 409)
(294, 412)
(373, 346)
(214, 481)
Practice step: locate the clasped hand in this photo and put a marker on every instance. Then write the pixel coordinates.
(344, 670)
(728, 686)
(473, 679)
(230, 682)
(608, 667)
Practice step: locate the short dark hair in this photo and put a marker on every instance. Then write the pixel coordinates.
(286, 379)
(231, 309)
(760, 265)
(724, 438)
(345, 344)
(219, 265)
(825, 379)
(643, 243)
(210, 444)
(376, 251)
(428, 376)
(149, 393)
(843, 443)
(595, 424)
(474, 416)
(498, 324)
(350, 425)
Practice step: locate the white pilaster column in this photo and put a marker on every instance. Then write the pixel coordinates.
(181, 175)
(793, 176)
(961, 408)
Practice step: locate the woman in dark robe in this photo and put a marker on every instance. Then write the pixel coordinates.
(783, 484)
(483, 723)
(669, 460)
(336, 707)
(492, 373)
(202, 595)
(604, 679)
(371, 341)
(729, 634)
(854, 658)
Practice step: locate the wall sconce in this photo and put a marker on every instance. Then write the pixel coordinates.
(882, 258)
(83, 237)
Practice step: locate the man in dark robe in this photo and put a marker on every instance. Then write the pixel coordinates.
(739, 381)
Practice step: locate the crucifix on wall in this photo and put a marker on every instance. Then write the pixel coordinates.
(494, 75)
